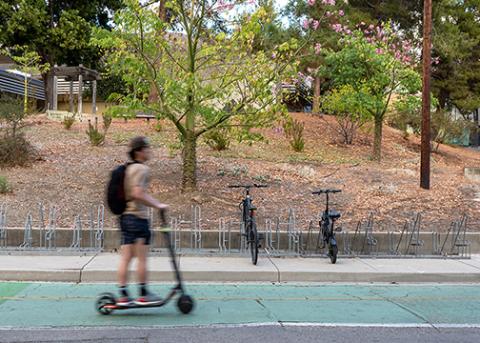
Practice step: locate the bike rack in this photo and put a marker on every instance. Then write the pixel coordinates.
(283, 235)
(27, 233)
(413, 236)
(3, 225)
(369, 242)
(459, 246)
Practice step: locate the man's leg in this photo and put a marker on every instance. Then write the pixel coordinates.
(126, 256)
(141, 251)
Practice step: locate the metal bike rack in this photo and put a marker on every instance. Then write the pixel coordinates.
(459, 246)
(3, 225)
(27, 233)
(364, 232)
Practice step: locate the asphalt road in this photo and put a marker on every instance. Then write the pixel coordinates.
(264, 334)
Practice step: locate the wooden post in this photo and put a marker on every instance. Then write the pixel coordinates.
(94, 97)
(70, 97)
(80, 91)
(427, 55)
(55, 91)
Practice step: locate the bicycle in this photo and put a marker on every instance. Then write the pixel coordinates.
(327, 223)
(248, 218)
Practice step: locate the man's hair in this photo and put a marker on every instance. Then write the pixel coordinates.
(137, 144)
(131, 153)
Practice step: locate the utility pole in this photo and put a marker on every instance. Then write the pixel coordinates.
(427, 56)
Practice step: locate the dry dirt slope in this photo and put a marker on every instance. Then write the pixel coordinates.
(73, 174)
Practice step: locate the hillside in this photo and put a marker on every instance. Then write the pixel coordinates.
(73, 174)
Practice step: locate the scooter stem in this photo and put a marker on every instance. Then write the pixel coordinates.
(171, 250)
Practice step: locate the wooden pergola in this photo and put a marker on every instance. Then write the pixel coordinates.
(80, 74)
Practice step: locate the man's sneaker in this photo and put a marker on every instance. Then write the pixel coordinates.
(148, 299)
(125, 301)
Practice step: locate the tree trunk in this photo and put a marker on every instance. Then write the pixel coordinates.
(189, 155)
(316, 96)
(48, 88)
(377, 142)
(162, 15)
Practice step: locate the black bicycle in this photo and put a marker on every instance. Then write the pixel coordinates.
(327, 223)
(251, 235)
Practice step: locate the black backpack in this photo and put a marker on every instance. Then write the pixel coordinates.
(116, 199)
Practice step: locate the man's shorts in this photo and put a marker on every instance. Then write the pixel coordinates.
(134, 228)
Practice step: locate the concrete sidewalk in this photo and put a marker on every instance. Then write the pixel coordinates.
(102, 268)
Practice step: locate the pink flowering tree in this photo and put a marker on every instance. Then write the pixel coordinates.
(320, 21)
(373, 64)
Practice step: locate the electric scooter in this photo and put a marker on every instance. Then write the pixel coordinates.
(107, 303)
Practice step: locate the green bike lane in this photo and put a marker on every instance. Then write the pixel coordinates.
(72, 305)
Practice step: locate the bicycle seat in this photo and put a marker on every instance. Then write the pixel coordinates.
(334, 214)
(253, 208)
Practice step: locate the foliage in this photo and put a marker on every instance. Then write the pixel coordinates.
(15, 151)
(158, 127)
(218, 139)
(107, 121)
(349, 109)
(204, 77)
(445, 127)
(375, 64)
(57, 31)
(456, 44)
(68, 121)
(4, 186)
(294, 132)
(12, 115)
(95, 136)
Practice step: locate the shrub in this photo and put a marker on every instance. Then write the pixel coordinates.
(158, 127)
(11, 114)
(68, 122)
(4, 186)
(294, 132)
(349, 110)
(94, 135)
(107, 121)
(448, 129)
(218, 139)
(15, 151)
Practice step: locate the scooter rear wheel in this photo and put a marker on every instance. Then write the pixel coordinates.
(185, 304)
(105, 299)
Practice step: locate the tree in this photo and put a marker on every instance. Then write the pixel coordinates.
(456, 43)
(375, 64)
(205, 69)
(58, 31)
(29, 62)
(317, 18)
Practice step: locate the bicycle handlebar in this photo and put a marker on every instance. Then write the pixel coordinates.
(247, 186)
(326, 191)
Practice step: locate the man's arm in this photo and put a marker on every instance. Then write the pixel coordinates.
(138, 194)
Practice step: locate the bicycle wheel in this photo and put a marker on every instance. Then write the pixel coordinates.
(332, 250)
(253, 242)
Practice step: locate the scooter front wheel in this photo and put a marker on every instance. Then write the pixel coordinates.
(185, 304)
(105, 303)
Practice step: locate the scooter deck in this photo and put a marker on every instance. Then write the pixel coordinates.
(126, 307)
